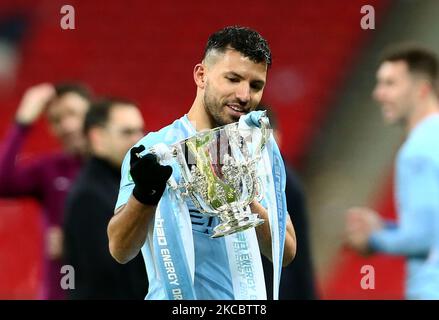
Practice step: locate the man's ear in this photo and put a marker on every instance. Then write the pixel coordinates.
(425, 88)
(200, 75)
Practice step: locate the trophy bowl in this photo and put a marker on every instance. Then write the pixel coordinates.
(219, 173)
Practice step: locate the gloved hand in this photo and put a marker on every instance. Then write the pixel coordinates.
(148, 175)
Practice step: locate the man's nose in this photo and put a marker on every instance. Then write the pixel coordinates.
(243, 93)
(69, 124)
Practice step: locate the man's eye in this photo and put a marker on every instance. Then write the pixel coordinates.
(233, 79)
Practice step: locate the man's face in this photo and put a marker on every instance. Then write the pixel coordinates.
(66, 117)
(124, 128)
(395, 91)
(234, 87)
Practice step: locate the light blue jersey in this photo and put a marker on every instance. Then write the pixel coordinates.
(212, 275)
(417, 199)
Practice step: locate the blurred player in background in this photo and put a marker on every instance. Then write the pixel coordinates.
(406, 89)
(112, 127)
(48, 177)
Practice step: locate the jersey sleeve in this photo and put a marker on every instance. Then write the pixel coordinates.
(419, 209)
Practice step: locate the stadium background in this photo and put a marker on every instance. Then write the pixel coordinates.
(319, 86)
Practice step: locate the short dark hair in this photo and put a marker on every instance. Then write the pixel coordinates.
(99, 112)
(246, 41)
(419, 60)
(64, 88)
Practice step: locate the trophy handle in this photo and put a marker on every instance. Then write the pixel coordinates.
(164, 155)
(265, 134)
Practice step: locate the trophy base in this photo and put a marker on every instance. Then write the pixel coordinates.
(241, 224)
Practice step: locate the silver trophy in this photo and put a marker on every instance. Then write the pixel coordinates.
(219, 173)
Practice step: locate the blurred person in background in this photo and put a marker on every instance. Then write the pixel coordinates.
(406, 90)
(111, 127)
(48, 177)
(297, 280)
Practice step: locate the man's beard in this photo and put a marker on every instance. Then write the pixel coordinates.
(216, 109)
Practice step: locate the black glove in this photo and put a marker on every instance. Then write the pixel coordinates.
(148, 175)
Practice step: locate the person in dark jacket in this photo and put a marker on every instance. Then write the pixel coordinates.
(111, 127)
